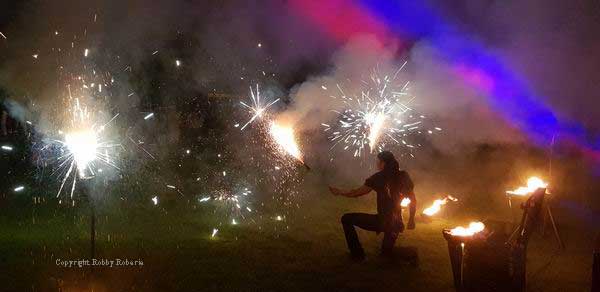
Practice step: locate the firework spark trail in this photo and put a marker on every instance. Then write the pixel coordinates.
(257, 108)
(148, 116)
(285, 138)
(380, 112)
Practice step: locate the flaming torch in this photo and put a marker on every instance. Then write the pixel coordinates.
(533, 184)
(437, 205)
(473, 228)
(457, 238)
(405, 202)
(285, 138)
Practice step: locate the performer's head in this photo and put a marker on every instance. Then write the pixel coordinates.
(386, 161)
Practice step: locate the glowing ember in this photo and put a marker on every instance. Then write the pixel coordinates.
(533, 183)
(284, 136)
(437, 205)
(405, 202)
(474, 227)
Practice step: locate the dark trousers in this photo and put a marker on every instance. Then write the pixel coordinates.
(368, 222)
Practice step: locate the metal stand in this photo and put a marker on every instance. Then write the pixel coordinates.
(93, 230)
(548, 210)
(554, 227)
(548, 214)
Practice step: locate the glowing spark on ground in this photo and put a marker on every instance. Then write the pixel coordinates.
(279, 218)
(86, 52)
(284, 137)
(148, 116)
(19, 188)
(533, 184)
(230, 203)
(155, 200)
(233, 222)
(474, 227)
(257, 108)
(7, 148)
(437, 205)
(214, 232)
(177, 63)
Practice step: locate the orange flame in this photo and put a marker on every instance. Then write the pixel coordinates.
(474, 227)
(437, 205)
(405, 202)
(533, 183)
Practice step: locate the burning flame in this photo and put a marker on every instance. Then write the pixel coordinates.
(284, 136)
(437, 205)
(533, 183)
(405, 202)
(474, 227)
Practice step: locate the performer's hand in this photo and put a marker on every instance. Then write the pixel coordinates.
(411, 224)
(335, 191)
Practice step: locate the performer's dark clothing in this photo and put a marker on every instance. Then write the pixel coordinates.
(389, 214)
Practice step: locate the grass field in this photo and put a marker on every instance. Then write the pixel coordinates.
(304, 252)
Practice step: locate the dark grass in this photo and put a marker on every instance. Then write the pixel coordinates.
(305, 252)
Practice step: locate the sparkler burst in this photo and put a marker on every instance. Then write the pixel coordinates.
(82, 146)
(258, 107)
(377, 113)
